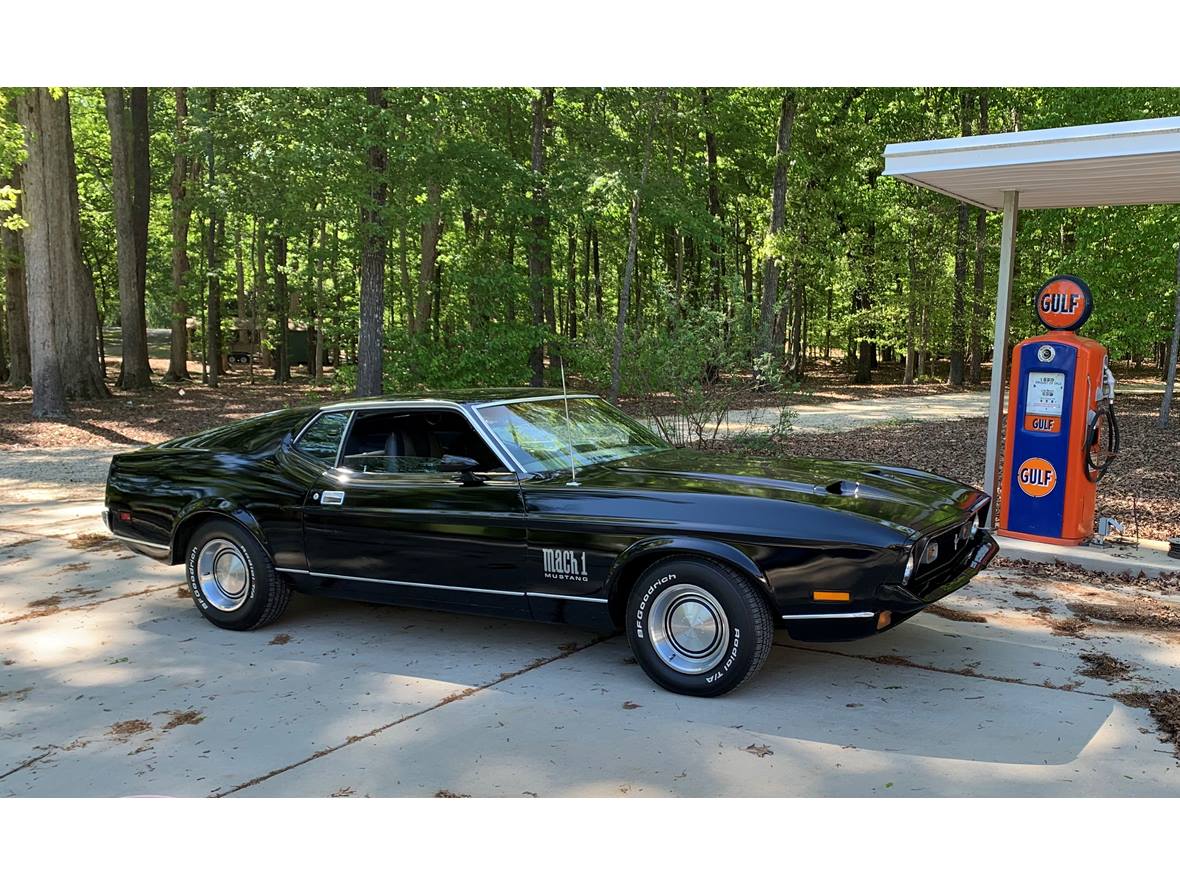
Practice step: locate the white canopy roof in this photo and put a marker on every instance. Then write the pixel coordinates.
(1108, 164)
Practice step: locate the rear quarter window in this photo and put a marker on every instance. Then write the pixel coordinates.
(321, 439)
(247, 436)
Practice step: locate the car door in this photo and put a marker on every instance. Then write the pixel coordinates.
(396, 528)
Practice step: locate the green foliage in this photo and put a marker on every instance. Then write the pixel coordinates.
(859, 253)
(773, 442)
(496, 356)
(9, 197)
(692, 354)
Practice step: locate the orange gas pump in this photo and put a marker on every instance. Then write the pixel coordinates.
(1062, 434)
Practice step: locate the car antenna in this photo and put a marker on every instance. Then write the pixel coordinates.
(569, 428)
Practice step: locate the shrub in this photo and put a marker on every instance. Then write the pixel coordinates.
(495, 356)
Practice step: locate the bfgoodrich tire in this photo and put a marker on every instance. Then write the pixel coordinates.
(698, 627)
(231, 578)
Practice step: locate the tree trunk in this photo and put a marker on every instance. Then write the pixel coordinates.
(912, 318)
(261, 296)
(183, 173)
(714, 197)
(135, 373)
(16, 299)
(540, 289)
(282, 311)
(215, 230)
(3, 341)
(1170, 384)
(586, 274)
(571, 283)
(63, 331)
(431, 234)
(243, 326)
(975, 367)
(799, 308)
(828, 325)
(770, 267)
(141, 193)
(41, 239)
(958, 318)
(866, 355)
(403, 259)
(213, 348)
(318, 359)
(370, 344)
(632, 247)
(597, 273)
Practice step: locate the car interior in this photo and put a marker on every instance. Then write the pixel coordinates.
(414, 441)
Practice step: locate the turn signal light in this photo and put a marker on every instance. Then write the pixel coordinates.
(884, 620)
(931, 553)
(831, 596)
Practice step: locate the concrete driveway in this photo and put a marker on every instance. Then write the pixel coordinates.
(111, 684)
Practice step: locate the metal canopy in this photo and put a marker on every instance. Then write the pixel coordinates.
(1108, 164)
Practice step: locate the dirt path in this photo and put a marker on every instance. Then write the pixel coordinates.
(851, 414)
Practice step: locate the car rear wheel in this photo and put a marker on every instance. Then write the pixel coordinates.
(698, 627)
(232, 579)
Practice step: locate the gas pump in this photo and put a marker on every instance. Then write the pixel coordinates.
(1062, 434)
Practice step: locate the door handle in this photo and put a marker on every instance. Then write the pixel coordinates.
(332, 498)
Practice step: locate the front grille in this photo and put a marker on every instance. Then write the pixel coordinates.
(954, 545)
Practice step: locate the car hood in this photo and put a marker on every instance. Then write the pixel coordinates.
(907, 499)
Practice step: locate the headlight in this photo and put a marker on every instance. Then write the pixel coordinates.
(909, 566)
(930, 553)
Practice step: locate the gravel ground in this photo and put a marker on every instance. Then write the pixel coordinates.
(1141, 489)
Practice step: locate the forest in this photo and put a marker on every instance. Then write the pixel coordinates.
(644, 240)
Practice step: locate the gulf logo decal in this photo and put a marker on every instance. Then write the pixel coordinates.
(1064, 303)
(1036, 477)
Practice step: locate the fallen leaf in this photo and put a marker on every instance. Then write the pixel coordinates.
(759, 750)
(188, 717)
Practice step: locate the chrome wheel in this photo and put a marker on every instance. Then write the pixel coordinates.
(223, 575)
(688, 629)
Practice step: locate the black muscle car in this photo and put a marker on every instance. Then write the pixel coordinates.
(533, 505)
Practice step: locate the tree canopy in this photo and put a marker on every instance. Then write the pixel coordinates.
(500, 219)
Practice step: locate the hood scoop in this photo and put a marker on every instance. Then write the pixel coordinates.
(845, 487)
(848, 488)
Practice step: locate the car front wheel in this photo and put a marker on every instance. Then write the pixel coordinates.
(698, 627)
(232, 579)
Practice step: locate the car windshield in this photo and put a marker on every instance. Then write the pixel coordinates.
(536, 432)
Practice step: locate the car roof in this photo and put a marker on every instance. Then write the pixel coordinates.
(476, 396)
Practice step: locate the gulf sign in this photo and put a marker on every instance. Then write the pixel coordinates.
(1036, 477)
(1042, 423)
(1064, 303)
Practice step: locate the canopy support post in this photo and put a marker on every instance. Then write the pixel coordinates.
(995, 411)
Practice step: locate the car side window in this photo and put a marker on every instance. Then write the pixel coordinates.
(321, 440)
(413, 441)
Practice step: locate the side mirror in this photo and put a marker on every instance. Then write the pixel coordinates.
(465, 467)
(456, 464)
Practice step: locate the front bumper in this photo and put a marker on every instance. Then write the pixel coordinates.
(901, 603)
